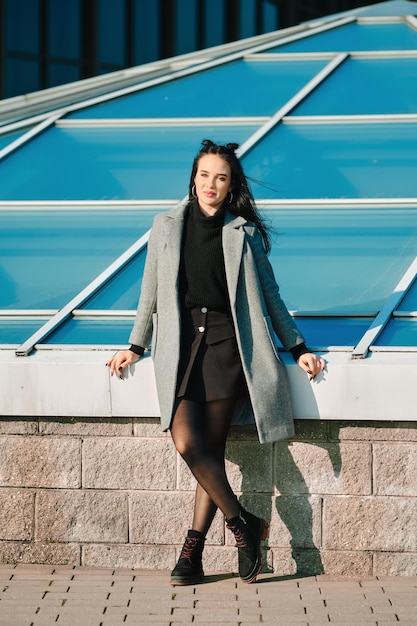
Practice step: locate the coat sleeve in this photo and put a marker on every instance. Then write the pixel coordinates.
(282, 322)
(142, 329)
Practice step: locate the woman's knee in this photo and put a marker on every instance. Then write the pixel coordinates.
(188, 449)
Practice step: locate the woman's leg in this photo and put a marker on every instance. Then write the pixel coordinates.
(199, 432)
(217, 421)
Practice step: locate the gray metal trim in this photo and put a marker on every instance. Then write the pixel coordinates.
(383, 317)
(33, 132)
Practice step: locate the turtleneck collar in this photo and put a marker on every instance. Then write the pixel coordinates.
(208, 220)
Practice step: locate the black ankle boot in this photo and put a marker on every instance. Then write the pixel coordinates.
(249, 531)
(189, 569)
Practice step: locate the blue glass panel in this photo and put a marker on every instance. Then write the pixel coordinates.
(399, 332)
(7, 138)
(326, 332)
(214, 23)
(336, 161)
(122, 292)
(22, 35)
(186, 37)
(341, 260)
(15, 332)
(47, 257)
(356, 37)
(380, 86)
(147, 32)
(241, 88)
(111, 24)
(270, 14)
(106, 163)
(64, 29)
(22, 76)
(247, 18)
(409, 303)
(92, 332)
(60, 73)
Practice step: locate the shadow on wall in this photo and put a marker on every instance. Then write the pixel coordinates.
(294, 475)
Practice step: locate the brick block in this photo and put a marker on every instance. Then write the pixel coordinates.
(395, 564)
(140, 557)
(296, 521)
(347, 563)
(40, 462)
(373, 431)
(157, 518)
(323, 469)
(78, 516)
(79, 426)
(297, 562)
(16, 514)
(395, 469)
(141, 463)
(164, 518)
(148, 427)
(59, 554)
(370, 523)
(18, 426)
(249, 466)
(311, 430)
(220, 559)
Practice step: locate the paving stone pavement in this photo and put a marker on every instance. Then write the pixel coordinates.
(34, 595)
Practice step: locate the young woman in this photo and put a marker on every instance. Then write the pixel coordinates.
(210, 303)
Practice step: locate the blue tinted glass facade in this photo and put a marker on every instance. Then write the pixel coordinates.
(381, 86)
(47, 257)
(65, 29)
(105, 164)
(356, 37)
(272, 84)
(340, 194)
(352, 160)
(87, 38)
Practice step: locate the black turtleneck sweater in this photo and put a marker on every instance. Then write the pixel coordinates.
(202, 273)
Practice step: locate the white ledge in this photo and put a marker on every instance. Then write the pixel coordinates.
(65, 383)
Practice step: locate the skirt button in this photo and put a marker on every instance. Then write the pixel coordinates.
(201, 329)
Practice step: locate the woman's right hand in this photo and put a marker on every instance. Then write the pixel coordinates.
(120, 361)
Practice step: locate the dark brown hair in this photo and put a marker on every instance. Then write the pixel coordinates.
(242, 202)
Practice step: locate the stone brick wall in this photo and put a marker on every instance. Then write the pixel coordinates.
(340, 497)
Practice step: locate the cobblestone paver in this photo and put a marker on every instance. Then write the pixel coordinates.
(42, 595)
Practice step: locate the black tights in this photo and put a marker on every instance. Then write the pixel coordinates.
(199, 432)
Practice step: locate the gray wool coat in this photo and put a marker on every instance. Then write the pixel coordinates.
(257, 311)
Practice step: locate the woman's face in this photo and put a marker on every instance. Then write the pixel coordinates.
(213, 181)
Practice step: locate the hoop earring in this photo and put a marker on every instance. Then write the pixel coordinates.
(231, 197)
(193, 192)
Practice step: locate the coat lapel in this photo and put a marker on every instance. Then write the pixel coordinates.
(233, 238)
(174, 226)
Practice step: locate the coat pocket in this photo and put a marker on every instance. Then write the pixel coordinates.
(219, 331)
(271, 335)
(154, 333)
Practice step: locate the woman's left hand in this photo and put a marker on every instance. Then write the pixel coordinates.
(312, 364)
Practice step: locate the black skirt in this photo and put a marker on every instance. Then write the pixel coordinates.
(210, 367)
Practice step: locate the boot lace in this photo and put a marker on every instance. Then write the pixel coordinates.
(240, 538)
(188, 548)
